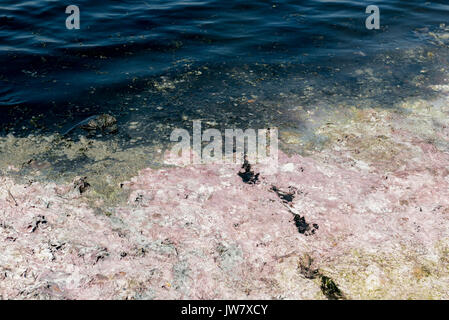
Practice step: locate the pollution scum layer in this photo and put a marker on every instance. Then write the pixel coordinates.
(365, 217)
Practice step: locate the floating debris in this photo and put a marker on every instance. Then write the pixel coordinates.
(304, 227)
(286, 196)
(12, 197)
(247, 174)
(330, 289)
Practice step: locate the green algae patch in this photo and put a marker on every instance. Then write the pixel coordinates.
(382, 275)
(330, 289)
(104, 163)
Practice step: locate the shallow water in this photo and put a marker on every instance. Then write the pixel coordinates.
(157, 65)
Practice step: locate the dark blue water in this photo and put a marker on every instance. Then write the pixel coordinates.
(166, 62)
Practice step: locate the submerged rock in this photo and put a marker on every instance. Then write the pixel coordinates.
(103, 123)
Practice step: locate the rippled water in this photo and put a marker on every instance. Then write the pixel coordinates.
(162, 63)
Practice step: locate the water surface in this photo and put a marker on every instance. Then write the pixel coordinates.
(158, 64)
